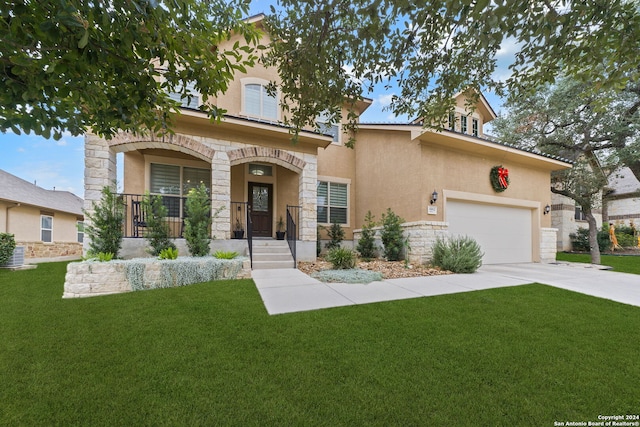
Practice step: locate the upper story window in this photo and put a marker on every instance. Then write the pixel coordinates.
(474, 127)
(256, 102)
(46, 228)
(328, 128)
(579, 214)
(188, 102)
(463, 124)
(452, 121)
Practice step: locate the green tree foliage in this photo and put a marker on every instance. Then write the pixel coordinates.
(366, 245)
(157, 233)
(108, 65)
(391, 235)
(336, 236)
(334, 50)
(7, 246)
(104, 227)
(569, 121)
(197, 224)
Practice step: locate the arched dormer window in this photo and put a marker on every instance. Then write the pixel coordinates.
(256, 102)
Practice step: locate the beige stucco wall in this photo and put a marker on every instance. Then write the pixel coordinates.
(24, 223)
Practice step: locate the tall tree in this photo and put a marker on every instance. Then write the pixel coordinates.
(329, 51)
(591, 129)
(109, 65)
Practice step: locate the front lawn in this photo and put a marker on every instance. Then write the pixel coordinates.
(209, 354)
(620, 263)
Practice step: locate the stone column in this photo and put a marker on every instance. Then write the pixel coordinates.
(99, 172)
(548, 245)
(308, 194)
(221, 195)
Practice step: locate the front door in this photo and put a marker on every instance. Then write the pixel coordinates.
(260, 196)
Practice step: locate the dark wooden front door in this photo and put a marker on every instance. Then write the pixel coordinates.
(260, 196)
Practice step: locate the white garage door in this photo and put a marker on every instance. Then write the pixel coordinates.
(504, 233)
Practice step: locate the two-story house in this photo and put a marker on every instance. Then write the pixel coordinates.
(438, 182)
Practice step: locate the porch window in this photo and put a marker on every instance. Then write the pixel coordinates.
(173, 183)
(474, 127)
(463, 124)
(46, 228)
(258, 103)
(332, 202)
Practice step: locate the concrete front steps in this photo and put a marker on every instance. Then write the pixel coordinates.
(270, 253)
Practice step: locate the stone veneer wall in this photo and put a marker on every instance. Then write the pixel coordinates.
(548, 245)
(91, 278)
(422, 235)
(33, 250)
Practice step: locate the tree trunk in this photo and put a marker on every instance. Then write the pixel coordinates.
(594, 248)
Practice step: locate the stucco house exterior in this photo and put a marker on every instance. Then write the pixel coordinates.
(47, 223)
(256, 176)
(622, 201)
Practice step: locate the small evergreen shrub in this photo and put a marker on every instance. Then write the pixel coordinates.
(104, 227)
(366, 245)
(157, 227)
(341, 258)
(459, 254)
(225, 254)
(580, 239)
(168, 253)
(197, 224)
(318, 242)
(391, 235)
(336, 236)
(7, 246)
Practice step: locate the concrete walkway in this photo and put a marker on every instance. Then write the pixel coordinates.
(290, 290)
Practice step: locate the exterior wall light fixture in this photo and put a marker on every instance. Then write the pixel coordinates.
(434, 197)
(547, 209)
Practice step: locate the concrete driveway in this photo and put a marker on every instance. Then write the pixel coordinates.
(290, 290)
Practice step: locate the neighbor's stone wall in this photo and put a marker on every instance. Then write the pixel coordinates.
(548, 245)
(91, 278)
(422, 236)
(38, 250)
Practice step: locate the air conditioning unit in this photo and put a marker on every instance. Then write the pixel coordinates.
(17, 259)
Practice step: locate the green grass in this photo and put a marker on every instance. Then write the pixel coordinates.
(209, 354)
(620, 263)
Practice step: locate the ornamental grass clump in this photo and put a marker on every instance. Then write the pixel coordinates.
(342, 258)
(225, 254)
(460, 254)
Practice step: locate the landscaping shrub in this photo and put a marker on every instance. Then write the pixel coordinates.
(459, 254)
(105, 223)
(341, 258)
(169, 253)
(391, 235)
(336, 235)
(225, 254)
(157, 227)
(580, 239)
(366, 245)
(318, 242)
(197, 223)
(7, 246)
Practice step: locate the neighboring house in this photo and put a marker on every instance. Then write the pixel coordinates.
(623, 200)
(567, 218)
(47, 223)
(253, 171)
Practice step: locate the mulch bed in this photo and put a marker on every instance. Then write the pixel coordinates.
(389, 269)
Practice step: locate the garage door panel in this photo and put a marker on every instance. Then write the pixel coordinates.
(503, 232)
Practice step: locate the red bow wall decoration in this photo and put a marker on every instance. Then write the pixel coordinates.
(499, 178)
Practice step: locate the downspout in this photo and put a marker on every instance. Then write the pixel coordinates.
(6, 219)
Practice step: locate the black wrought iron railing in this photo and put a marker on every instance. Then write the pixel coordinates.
(250, 234)
(293, 218)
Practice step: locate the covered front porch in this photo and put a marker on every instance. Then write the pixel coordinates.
(256, 191)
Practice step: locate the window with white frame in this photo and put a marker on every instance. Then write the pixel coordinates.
(326, 127)
(190, 101)
(474, 127)
(579, 214)
(463, 124)
(46, 228)
(257, 102)
(452, 121)
(173, 182)
(333, 202)
(80, 228)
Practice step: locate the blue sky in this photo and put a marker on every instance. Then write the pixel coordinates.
(60, 164)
